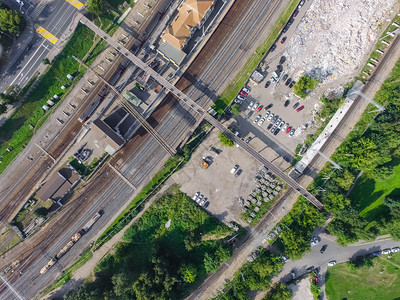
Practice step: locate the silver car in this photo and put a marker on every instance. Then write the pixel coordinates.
(292, 132)
(257, 119)
(255, 106)
(250, 106)
(267, 114)
(261, 121)
(270, 117)
(285, 127)
(278, 121)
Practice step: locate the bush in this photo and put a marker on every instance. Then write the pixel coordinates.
(225, 140)
(304, 84)
(41, 212)
(235, 108)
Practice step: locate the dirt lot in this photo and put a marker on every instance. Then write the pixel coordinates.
(302, 290)
(217, 183)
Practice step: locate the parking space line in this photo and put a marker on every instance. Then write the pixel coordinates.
(75, 3)
(47, 35)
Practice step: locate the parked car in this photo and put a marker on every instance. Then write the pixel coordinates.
(310, 269)
(275, 118)
(285, 77)
(244, 92)
(285, 127)
(279, 69)
(207, 204)
(250, 106)
(377, 253)
(323, 248)
(293, 274)
(287, 102)
(300, 108)
(259, 108)
(282, 60)
(295, 13)
(273, 129)
(268, 106)
(290, 22)
(277, 130)
(234, 169)
(238, 101)
(199, 199)
(331, 263)
(255, 105)
(315, 240)
(238, 173)
(288, 81)
(296, 104)
(267, 114)
(261, 121)
(288, 130)
(387, 251)
(270, 117)
(278, 121)
(203, 202)
(273, 47)
(281, 124)
(257, 119)
(395, 249)
(301, 3)
(283, 40)
(316, 279)
(196, 195)
(292, 84)
(286, 28)
(248, 140)
(269, 126)
(267, 84)
(240, 97)
(286, 159)
(292, 132)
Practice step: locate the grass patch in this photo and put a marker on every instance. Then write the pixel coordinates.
(230, 92)
(379, 282)
(368, 194)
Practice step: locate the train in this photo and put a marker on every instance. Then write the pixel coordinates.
(72, 241)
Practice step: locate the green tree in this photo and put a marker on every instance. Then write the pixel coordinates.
(383, 173)
(189, 273)
(279, 292)
(122, 286)
(295, 244)
(223, 253)
(315, 290)
(235, 108)
(211, 263)
(41, 212)
(304, 84)
(258, 276)
(11, 21)
(96, 7)
(345, 181)
(3, 108)
(393, 204)
(46, 61)
(225, 140)
(334, 201)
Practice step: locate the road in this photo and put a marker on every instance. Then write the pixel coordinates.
(332, 252)
(246, 25)
(55, 17)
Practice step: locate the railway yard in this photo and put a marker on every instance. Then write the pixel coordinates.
(97, 200)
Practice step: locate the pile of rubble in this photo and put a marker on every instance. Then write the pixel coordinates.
(334, 37)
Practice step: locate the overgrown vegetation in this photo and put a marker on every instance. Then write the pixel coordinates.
(253, 276)
(225, 140)
(162, 256)
(304, 85)
(376, 280)
(279, 292)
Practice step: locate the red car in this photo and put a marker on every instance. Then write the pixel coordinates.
(259, 108)
(245, 91)
(300, 108)
(288, 130)
(316, 279)
(283, 39)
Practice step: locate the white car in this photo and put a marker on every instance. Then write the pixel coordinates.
(395, 249)
(195, 196)
(285, 127)
(257, 119)
(387, 251)
(278, 121)
(292, 132)
(267, 114)
(261, 121)
(199, 199)
(255, 106)
(270, 117)
(331, 263)
(240, 97)
(246, 90)
(315, 241)
(234, 169)
(237, 101)
(203, 202)
(250, 106)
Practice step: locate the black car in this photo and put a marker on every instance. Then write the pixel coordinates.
(288, 81)
(268, 106)
(207, 204)
(282, 60)
(297, 104)
(285, 29)
(277, 131)
(285, 77)
(286, 159)
(310, 269)
(248, 140)
(238, 173)
(287, 102)
(296, 12)
(273, 47)
(323, 249)
(292, 84)
(290, 22)
(269, 126)
(267, 84)
(279, 68)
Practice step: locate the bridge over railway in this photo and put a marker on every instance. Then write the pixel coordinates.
(202, 113)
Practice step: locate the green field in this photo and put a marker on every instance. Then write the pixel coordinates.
(380, 282)
(368, 195)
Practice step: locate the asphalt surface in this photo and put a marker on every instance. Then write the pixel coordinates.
(55, 17)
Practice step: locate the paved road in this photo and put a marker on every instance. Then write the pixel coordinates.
(333, 252)
(55, 17)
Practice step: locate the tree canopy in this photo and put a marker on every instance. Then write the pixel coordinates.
(303, 85)
(96, 7)
(225, 140)
(11, 21)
